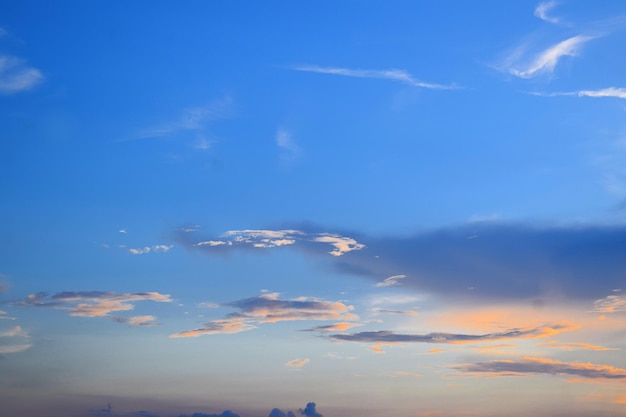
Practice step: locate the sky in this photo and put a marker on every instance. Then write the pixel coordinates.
(315, 208)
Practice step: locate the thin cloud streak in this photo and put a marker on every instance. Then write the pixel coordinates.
(384, 336)
(604, 92)
(530, 365)
(390, 74)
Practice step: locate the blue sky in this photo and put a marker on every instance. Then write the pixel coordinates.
(343, 209)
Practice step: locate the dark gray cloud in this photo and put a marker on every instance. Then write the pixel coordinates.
(486, 260)
(310, 410)
(525, 366)
(225, 413)
(279, 413)
(384, 336)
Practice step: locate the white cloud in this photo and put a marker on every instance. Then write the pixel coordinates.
(542, 9)
(390, 74)
(289, 149)
(390, 281)
(342, 244)
(545, 61)
(148, 249)
(192, 119)
(609, 304)
(16, 76)
(4, 349)
(604, 92)
(16, 331)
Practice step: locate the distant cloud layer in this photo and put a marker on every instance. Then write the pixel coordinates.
(498, 261)
(525, 366)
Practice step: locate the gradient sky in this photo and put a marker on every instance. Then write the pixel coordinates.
(338, 208)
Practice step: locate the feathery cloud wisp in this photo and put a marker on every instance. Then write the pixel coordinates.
(390, 281)
(604, 92)
(16, 76)
(542, 9)
(546, 61)
(390, 74)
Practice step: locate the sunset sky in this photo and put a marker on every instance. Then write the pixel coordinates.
(312, 208)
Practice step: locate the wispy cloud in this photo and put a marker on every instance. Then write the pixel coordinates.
(389, 74)
(17, 76)
(263, 239)
(403, 312)
(268, 308)
(610, 304)
(530, 365)
(297, 363)
(335, 327)
(545, 61)
(384, 336)
(391, 281)
(97, 304)
(542, 10)
(290, 151)
(604, 92)
(576, 346)
(8, 342)
(193, 119)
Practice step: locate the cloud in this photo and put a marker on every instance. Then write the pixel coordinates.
(279, 413)
(16, 76)
(605, 92)
(573, 346)
(386, 337)
(225, 413)
(310, 410)
(148, 249)
(335, 327)
(97, 304)
(545, 61)
(390, 74)
(192, 119)
(264, 238)
(268, 308)
(297, 363)
(390, 281)
(387, 311)
(529, 365)
(610, 304)
(507, 261)
(137, 321)
(289, 149)
(13, 346)
(542, 9)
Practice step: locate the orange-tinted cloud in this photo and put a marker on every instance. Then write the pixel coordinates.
(573, 346)
(297, 363)
(215, 327)
(335, 327)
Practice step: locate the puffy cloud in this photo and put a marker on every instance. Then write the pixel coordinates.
(16, 76)
(390, 281)
(14, 332)
(310, 410)
(530, 365)
(505, 261)
(297, 363)
(97, 304)
(279, 413)
(225, 413)
(148, 249)
(268, 308)
(265, 238)
(388, 337)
